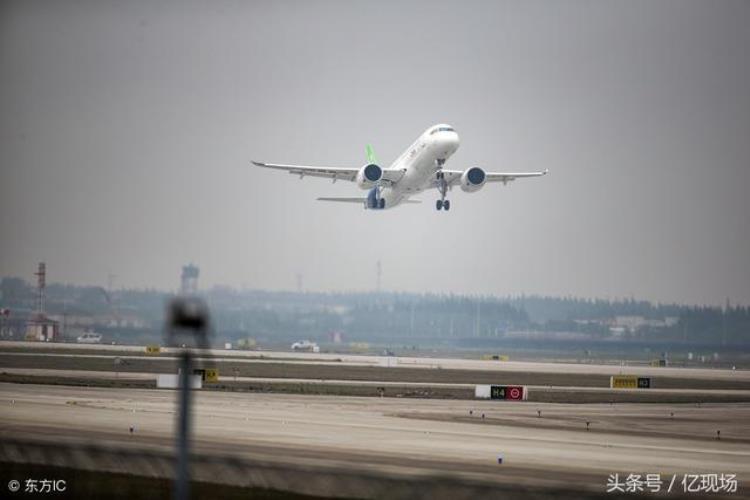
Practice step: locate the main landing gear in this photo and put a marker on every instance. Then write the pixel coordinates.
(443, 205)
(442, 186)
(375, 198)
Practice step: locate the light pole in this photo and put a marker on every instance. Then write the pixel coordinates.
(188, 326)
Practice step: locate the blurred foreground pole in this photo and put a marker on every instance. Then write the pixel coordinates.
(188, 327)
(182, 479)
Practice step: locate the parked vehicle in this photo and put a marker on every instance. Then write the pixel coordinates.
(305, 345)
(89, 338)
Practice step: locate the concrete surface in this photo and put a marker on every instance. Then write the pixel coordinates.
(400, 436)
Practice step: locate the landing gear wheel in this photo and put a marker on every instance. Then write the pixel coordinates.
(442, 186)
(381, 203)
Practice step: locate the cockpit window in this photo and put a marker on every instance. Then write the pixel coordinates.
(441, 129)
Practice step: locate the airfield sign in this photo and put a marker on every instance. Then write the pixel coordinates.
(629, 382)
(502, 392)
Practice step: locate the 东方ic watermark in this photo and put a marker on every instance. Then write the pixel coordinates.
(37, 485)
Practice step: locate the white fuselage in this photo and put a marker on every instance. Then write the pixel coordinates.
(420, 164)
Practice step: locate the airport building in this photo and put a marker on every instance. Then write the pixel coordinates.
(43, 329)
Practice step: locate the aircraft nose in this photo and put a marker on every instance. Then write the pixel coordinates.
(454, 140)
(448, 140)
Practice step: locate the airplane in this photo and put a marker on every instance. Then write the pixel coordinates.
(420, 167)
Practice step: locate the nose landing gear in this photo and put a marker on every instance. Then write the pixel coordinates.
(442, 186)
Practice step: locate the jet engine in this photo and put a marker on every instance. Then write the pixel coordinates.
(369, 175)
(473, 179)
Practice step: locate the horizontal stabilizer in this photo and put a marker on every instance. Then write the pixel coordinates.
(360, 200)
(344, 200)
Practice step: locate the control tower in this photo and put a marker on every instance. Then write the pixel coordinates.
(189, 280)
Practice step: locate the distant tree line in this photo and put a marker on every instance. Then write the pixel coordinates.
(361, 316)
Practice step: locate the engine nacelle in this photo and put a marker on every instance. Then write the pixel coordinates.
(473, 179)
(369, 175)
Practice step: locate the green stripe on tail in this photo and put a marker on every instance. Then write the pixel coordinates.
(371, 154)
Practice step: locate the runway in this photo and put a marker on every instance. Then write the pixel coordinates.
(109, 375)
(138, 352)
(412, 437)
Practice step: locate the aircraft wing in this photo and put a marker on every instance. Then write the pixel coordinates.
(335, 173)
(506, 177)
(453, 177)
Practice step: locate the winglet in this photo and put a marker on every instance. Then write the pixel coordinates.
(258, 164)
(370, 154)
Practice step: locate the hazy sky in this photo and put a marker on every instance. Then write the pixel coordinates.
(127, 130)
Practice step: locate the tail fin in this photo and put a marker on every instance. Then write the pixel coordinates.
(371, 154)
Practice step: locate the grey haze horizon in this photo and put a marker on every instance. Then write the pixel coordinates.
(127, 131)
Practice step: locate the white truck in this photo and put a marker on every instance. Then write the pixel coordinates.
(305, 345)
